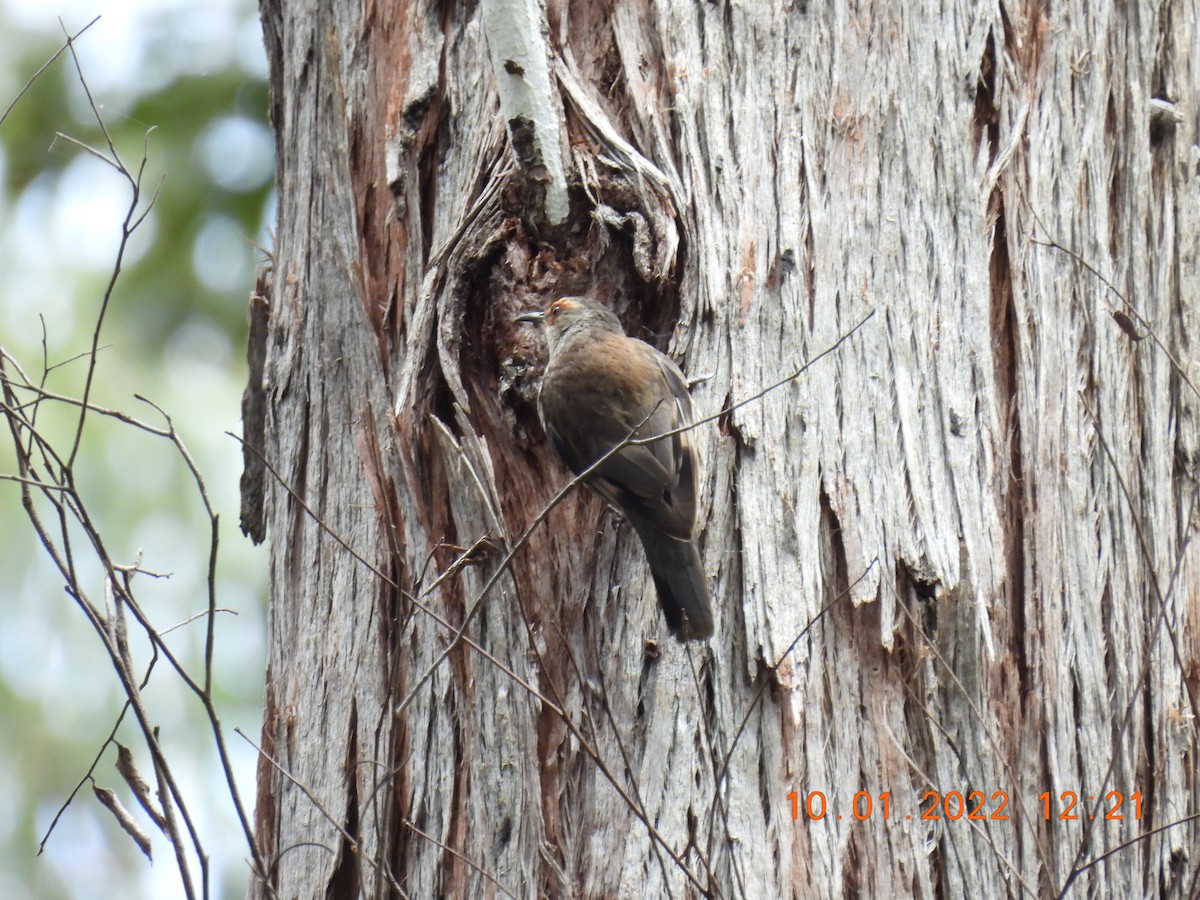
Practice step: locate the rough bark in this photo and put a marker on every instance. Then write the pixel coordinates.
(991, 485)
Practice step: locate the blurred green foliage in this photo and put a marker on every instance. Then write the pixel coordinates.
(175, 332)
(168, 126)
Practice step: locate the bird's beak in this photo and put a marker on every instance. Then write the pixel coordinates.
(536, 316)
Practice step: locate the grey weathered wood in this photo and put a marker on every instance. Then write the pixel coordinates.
(999, 476)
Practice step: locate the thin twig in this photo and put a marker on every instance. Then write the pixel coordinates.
(1175, 364)
(44, 66)
(1133, 840)
(416, 601)
(351, 841)
(764, 682)
(408, 823)
(1153, 634)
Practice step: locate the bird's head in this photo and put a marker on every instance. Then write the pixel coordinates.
(568, 314)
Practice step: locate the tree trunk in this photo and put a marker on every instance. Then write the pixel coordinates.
(975, 514)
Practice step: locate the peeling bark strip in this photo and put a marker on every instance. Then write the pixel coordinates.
(977, 515)
(520, 62)
(253, 486)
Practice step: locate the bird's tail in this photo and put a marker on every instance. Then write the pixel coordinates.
(679, 578)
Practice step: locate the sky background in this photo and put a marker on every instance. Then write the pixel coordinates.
(185, 83)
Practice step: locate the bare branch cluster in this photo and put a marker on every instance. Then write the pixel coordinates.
(59, 514)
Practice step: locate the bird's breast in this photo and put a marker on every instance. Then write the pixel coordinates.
(604, 379)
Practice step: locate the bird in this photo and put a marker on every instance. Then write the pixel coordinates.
(601, 387)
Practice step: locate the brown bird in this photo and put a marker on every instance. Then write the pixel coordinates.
(599, 387)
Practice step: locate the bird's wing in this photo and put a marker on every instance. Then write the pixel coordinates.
(686, 458)
(641, 470)
(656, 482)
